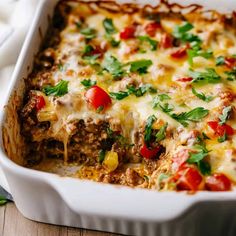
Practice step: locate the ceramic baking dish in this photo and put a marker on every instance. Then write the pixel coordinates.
(59, 200)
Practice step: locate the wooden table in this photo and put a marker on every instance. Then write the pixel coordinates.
(12, 223)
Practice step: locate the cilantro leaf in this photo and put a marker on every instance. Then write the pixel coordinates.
(148, 128)
(231, 74)
(182, 32)
(89, 33)
(198, 158)
(207, 76)
(153, 43)
(198, 52)
(222, 138)
(220, 61)
(194, 115)
(163, 97)
(87, 83)
(140, 66)
(101, 156)
(225, 115)
(120, 95)
(113, 66)
(202, 96)
(58, 90)
(140, 91)
(161, 134)
(109, 26)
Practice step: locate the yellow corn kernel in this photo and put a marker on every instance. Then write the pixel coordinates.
(111, 161)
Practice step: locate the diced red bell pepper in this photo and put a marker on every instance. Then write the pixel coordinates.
(218, 182)
(221, 129)
(40, 103)
(180, 53)
(149, 153)
(166, 41)
(128, 32)
(152, 28)
(185, 79)
(230, 62)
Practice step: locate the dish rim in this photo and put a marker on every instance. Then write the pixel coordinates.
(63, 184)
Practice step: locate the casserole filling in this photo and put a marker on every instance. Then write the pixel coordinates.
(141, 98)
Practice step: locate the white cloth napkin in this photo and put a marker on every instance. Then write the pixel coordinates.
(15, 19)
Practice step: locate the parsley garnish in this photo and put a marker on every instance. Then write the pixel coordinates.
(140, 66)
(194, 115)
(58, 90)
(120, 95)
(148, 128)
(89, 33)
(153, 43)
(183, 118)
(231, 75)
(88, 83)
(198, 52)
(101, 156)
(202, 96)
(207, 76)
(161, 134)
(198, 157)
(109, 26)
(113, 66)
(225, 115)
(182, 32)
(220, 61)
(138, 92)
(222, 138)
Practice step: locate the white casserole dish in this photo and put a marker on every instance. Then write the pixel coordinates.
(79, 203)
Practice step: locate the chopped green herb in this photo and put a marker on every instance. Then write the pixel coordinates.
(113, 66)
(161, 134)
(88, 83)
(148, 128)
(109, 26)
(222, 138)
(166, 107)
(225, 115)
(231, 75)
(120, 95)
(220, 61)
(182, 32)
(198, 158)
(153, 43)
(202, 96)
(114, 43)
(138, 92)
(140, 66)
(89, 33)
(58, 90)
(194, 115)
(207, 76)
(78, 24)
(205, 136)
(163, 97)
(101, 156)
(198, 52)
(100, 109)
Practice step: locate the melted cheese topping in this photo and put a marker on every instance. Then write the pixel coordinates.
(132, 112)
